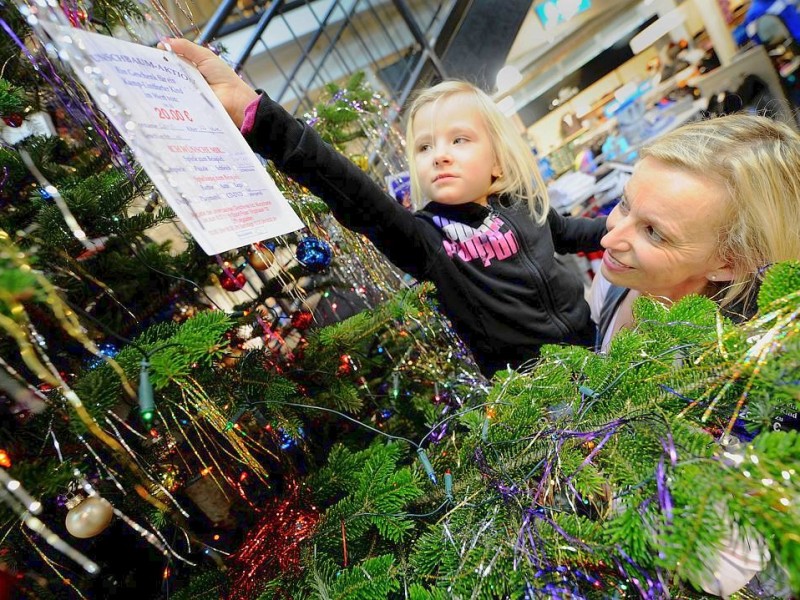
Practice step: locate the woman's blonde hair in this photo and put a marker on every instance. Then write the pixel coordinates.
(757, 160)
(520, 175)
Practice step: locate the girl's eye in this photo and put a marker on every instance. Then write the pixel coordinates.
(423, 147)
(459, 140)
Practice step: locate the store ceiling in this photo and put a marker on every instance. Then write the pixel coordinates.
(535, 45)
(545, 56)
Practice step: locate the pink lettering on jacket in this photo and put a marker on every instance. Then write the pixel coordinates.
(486, 243)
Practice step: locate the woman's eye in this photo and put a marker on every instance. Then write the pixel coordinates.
(654, 235)
(623, 206)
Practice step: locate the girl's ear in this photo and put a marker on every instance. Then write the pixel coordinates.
(497, 171)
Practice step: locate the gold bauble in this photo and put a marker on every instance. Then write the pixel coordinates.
(231, 358)
(90, 517)
(260, 257)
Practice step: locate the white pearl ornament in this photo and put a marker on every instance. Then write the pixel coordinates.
(90, 517)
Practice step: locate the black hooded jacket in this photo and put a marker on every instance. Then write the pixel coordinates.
(494, 268)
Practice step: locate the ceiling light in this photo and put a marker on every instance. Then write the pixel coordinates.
(651, 34)
(507, 78)
(507, 106)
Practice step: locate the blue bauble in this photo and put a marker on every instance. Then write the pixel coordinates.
(106, 349)
(314, 254)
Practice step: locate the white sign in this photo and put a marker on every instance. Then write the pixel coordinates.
(183, 138)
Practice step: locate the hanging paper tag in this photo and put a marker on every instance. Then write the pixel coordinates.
(182, 136)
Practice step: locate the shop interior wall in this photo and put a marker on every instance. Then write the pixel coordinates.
(545, 134)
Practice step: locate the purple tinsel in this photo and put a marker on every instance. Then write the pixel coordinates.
(80, 112)
(669, 448)
(652, 589)
(438, 433)
(664, 497)
(507, 491)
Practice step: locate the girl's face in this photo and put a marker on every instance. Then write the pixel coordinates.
(453, 151)
(663, 236)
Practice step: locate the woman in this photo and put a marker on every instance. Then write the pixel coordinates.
(707, 209)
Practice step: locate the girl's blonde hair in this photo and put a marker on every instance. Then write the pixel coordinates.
(520, 174)
(757, 160)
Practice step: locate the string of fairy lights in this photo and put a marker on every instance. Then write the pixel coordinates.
(364, 267)
(194, 395)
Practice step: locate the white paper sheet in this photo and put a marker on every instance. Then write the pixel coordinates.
(183, 138)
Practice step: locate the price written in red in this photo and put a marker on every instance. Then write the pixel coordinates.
(173, 114)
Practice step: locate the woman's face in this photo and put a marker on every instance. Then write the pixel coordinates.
(663, 236)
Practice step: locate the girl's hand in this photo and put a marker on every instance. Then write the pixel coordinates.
(234, 93)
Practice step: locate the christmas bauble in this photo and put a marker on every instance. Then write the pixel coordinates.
(314, 254)
(78, 16)
(302, 319)
(13, 120)
(232, 358)
(231, 281)
(260, 257)
(345, 365)
(90, 517)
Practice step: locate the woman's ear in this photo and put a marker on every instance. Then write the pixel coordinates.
(720, 274)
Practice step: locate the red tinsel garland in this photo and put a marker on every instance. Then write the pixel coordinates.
(272, 547)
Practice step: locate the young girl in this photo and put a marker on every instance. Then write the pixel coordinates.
(484, 234)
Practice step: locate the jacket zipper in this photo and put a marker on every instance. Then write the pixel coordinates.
(549, 304)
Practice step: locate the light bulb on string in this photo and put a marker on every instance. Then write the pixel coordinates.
(147, 404)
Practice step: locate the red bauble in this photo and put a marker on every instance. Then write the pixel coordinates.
(76, 16)
(231, 281)
(13, 120)
(9, 583)
(302, 319)
(345, 365)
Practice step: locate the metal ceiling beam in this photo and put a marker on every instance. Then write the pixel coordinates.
(216, 21)
(217, 28)
(419, 36)
(263, 21)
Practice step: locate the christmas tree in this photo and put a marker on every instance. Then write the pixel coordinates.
(193, 409)
(590, 476)
(153, 396)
